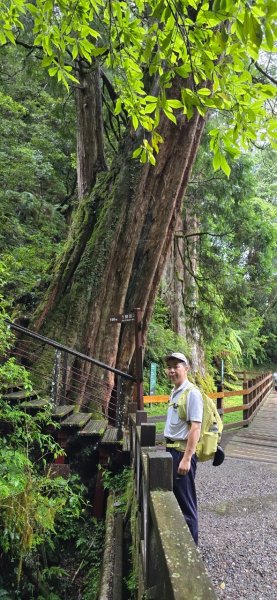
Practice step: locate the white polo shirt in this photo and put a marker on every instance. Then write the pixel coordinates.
(176, 428)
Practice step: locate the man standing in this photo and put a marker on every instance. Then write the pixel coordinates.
(182, 437)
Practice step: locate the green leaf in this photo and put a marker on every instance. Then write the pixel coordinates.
(10, 36)
(170, 116)
(137, 152)
(158, 10)
(151, 99)
(152, 159)
(224, 165)
(150, 108)
(269, 36)
(97, 51)
(75, 51)
(165, 43)
(47, 61)
(135, 121)
(240, 30)
(255, 31)
(118, 107)
(183, 71)
(216, 5)
(204, 92)
(33, 9)
(2, 38)
(53, 71)
(143, 157)
(175, 103)
(217, 160)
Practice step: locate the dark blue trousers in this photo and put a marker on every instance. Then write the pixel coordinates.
(185, 492)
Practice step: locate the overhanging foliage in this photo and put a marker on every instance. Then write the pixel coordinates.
(214, 46)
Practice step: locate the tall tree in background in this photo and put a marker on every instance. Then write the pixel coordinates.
(171, 63)
(236, 255)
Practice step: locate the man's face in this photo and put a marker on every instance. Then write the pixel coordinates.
(177, 371)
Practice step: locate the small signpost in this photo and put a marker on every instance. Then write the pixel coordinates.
(152, 379)
(123, 318)
(136, 316)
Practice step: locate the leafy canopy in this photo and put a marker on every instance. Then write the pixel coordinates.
(211, 46)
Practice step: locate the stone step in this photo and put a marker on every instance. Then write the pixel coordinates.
(35, 404)
(77, 420)
(64, 410)
(110, 436)
(19, 395)
(94, 428)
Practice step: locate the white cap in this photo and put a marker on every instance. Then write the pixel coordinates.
(178, 356)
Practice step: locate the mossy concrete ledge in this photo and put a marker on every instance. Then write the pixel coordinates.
(111, 574)
(174, 554)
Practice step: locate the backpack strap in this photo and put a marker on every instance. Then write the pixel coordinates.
(182, 401)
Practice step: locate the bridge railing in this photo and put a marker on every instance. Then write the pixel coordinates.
(253, 393)
(169, 564)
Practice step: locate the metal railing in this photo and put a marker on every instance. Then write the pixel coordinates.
(65, 375)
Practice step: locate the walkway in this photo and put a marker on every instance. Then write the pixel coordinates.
(258, 441)
(238, 511)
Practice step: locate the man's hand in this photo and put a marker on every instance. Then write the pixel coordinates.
(184, 466)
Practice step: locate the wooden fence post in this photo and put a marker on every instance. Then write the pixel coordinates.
(160, 471)
(148, 434)
(257, 394)
(245, 400)
(141, 417)
(220, 401)
(251, 397)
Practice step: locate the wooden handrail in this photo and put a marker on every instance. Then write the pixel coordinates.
(214, 395)
(252, 397)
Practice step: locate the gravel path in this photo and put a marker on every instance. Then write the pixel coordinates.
(238, 528)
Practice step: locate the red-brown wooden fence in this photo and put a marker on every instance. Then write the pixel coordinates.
(254, 391)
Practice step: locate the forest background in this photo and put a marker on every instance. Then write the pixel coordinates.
(217, 297)
(213, 295)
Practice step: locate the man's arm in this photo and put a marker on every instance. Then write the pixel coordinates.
(193, 437)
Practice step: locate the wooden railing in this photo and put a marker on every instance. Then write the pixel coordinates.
(254, 392)
(169, 564)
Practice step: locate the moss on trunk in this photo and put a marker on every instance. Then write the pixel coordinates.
(117, 247)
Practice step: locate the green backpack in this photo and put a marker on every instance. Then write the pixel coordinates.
(211, 428)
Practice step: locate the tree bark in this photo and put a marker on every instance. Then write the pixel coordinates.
(180, 293)
(90, 147)
(174, 281)
(117, 246)
(191, 250)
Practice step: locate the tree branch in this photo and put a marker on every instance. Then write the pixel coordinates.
(265, 74)
(201, 233)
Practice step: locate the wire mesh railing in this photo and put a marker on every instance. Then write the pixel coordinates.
(64, 376)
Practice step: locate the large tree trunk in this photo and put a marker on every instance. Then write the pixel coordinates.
(90, 147)
(118, 244)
